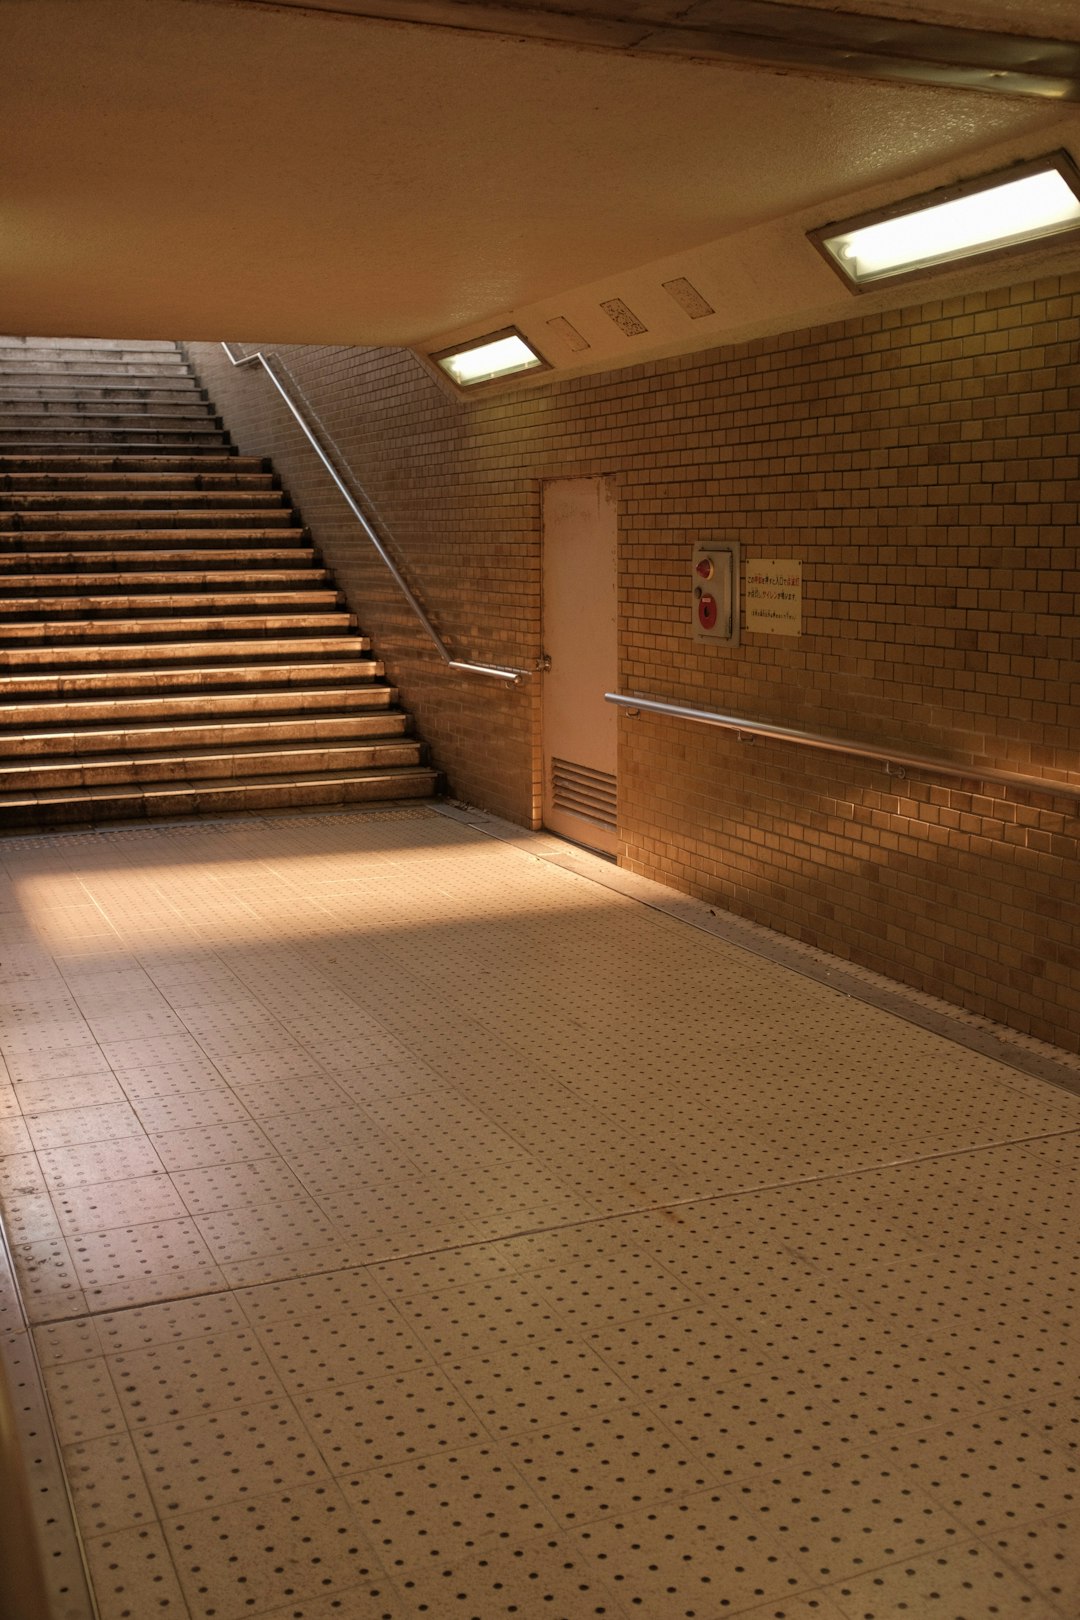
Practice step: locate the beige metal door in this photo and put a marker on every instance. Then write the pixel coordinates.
(580, 638)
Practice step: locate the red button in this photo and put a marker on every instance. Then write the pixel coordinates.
(705, 568)
(706, 612)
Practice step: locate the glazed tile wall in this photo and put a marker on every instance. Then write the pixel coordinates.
(924, 467)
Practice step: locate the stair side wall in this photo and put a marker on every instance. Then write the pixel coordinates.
(461, 519)
(922, 465)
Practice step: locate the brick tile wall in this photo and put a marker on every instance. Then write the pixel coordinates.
(924, 467)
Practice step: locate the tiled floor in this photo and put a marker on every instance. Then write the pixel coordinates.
(412, 1224)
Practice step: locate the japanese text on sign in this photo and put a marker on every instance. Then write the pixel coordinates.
(773, 596)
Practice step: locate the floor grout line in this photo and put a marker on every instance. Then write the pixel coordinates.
(585, 1221)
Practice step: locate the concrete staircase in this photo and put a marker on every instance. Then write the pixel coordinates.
(169, 641)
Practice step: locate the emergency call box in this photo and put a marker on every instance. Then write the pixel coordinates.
(714, 586)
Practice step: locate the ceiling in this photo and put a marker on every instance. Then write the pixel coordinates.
(295, 172)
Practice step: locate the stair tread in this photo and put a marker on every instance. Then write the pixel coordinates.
(69, 629)
(128, 579)
(144, 711)
(340, 642)
(219, 724)
(89, 729)
(20, 483)
(149, 464)
(275, 676)
(170, 559)
(131, 767)
(423, 777)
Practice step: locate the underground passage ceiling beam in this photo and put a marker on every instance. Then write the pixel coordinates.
(758, 33)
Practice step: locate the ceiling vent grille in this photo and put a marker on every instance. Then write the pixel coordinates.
(624, 317)
(581, 791)
(689, 300)
(569, 334)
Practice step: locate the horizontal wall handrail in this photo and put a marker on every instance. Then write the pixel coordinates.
(499, 672)
(892, 757)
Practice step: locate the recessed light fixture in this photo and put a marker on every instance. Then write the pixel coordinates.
(1026, 203)
(487, 359)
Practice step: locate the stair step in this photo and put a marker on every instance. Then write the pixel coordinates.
(38, 359)
(54, 758)
(255, 649)
(164, 539)
(192, 407)
(140, 520)
(93, 370)
(26, 587)
(26, 612)
(38, 418)
(210, 763)
(52, 447)
(59, 502)
(57, 569)
(13, 439)
(197, 466)
(133, 714)
(254, 682)
(169, 391)
(167, 629)
(37, 485)
(18, 342)
(220, 797)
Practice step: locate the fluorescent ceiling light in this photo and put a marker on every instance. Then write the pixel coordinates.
(1027, 203)
(503, 354)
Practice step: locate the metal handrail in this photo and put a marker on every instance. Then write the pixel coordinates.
(898, 761)
(499, 672)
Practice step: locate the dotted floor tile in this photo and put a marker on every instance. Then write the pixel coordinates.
(95, 1162)
(545, 1577)
(857, 1514)
(421, 1514)
(250, 1556)
(960, 1581)
(161, 1067)
(171, 1323)
(117, 1203)
(356, 1294)
(701, 1556)
(257, 1229)
(14, 1137)
(1047, 1554)
(71, 1091)
(186, 1109)
(133, 1575)
(130, 1265)
(60, 1342)
(205, 1374)
(607, 1463)
(107, 1483)
(236, 1186)
(460, 1322)
(224, 1456)
(48, 1281)
(992, 1472)
(85, 1405)
(521, 1387)
(312, 1353)
(387, 1420)
(212, 1144)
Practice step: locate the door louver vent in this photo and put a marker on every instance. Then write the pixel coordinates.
(581, 791)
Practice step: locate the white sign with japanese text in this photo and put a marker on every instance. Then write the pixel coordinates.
(772, 600)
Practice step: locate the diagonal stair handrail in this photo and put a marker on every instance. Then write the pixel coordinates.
(496, 671)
